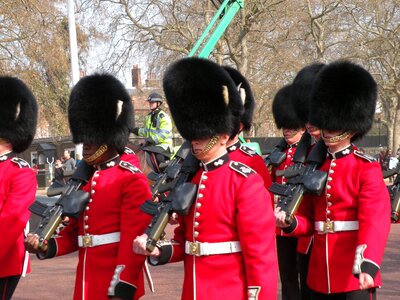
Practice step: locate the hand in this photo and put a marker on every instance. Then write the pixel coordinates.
(135, 131)
(139, 246)
(173, 220)
(280, 218)
(32, 244)
(365, 281)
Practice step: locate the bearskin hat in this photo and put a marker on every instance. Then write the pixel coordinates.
(18, 113)
(203, 99)
(344, 98)
(248, 101)
(100, 112)
(283, 110)
(302, 88)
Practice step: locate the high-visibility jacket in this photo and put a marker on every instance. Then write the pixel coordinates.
(158, 129)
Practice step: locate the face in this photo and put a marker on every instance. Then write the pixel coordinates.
(335, 146)
(215, 151)
(292, 135)
(314, 131)
(66, 155)
(88, 150)
(153, 105)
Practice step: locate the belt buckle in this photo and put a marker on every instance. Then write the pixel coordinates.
(329, 227)
(87, 241)
(194, 248)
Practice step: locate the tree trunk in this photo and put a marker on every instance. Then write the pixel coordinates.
(396, 128)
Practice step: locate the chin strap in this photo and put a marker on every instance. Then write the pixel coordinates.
(99, 152)
(337, 138)
(211, 143)
(295, 131)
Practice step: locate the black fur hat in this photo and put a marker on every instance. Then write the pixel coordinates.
(100, 111)
(248, 101)
(302, 88)
(344, 98)
(283, 110)
(18, 113)
(203, 99)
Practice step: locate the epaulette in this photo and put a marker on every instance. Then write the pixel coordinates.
(20, 162)
(128, 150)
(364, 156)
(247, 150)
(128, 166)
(241, 168)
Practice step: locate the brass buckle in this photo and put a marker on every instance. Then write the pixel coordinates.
(87, 241)
(194, 248)
(329, 226)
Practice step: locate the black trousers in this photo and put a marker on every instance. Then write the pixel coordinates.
(354, 295)
(288, 272)
(303, 262)
(7, 286)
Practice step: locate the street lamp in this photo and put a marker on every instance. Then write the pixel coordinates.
(379, 131)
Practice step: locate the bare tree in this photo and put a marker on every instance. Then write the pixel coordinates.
(377, 37)
(34, 46)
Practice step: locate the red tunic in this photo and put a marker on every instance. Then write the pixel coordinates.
(355, 191)
(231, 205)
(250, 158)
(17, 192)
(117, 192)
(130, 157)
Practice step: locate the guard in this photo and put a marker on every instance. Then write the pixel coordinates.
(18, 116)
(227, 240)
(350, 221)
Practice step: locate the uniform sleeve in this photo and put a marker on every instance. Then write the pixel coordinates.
(303, 222)
(261, 169)
(143, 132)
(67, 240)
(256, 227)
(163, 130)
(133, 222)
(374, 220)
(14, 214)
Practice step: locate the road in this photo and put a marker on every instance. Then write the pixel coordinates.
(54, 278)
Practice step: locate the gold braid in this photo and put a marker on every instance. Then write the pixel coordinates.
(99, 152)
(337, 138)
(211, 143)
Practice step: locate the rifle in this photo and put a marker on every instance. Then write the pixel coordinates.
(392, 172)
(71, 202)
(277, 156)
(394, 192)
(182, 193)
(309, 181)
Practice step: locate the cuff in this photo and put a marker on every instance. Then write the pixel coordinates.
(291, 227)
(119, 288)
(166, 250)
(253, 292)
(363, 265)
(51, 250)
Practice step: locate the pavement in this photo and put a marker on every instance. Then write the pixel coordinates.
(54, 278)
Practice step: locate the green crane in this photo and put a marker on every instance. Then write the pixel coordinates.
(211, 35)
(221, 20)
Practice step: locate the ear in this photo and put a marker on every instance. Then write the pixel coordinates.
(224, 138)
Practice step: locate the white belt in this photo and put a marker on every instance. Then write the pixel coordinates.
(335, 226)
(85, 241)
(199, 249)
